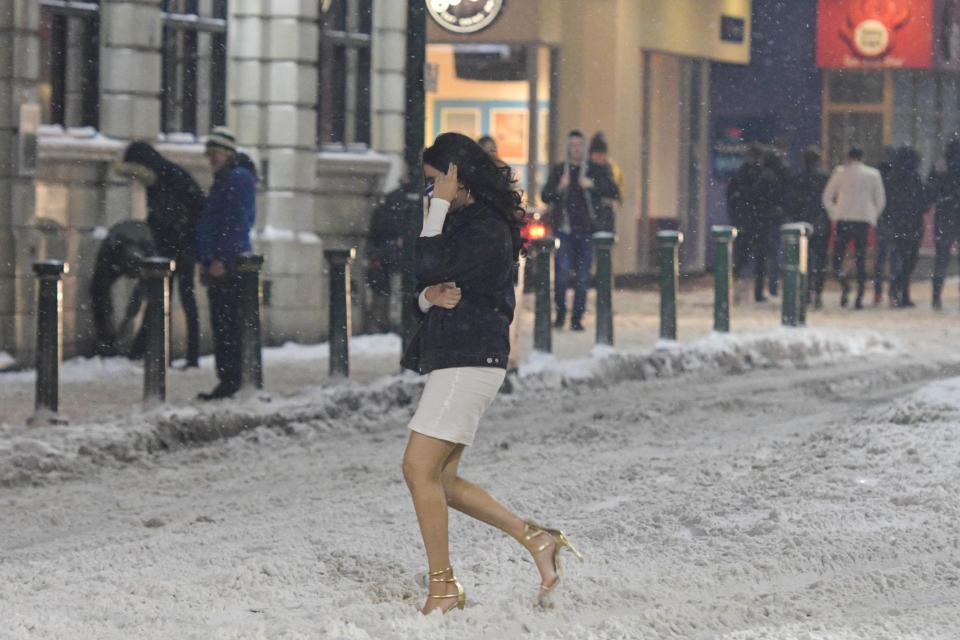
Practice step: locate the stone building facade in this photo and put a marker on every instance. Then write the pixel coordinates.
(314, 90)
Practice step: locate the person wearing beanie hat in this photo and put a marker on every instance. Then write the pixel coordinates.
(575, 189)
(599, 155)
(223, 234)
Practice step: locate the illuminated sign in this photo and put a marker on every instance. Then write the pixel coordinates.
(871, 34)
(464, 16)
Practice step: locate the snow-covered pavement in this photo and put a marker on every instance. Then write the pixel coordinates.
(773, 484)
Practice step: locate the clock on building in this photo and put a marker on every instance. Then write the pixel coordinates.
(464, 16)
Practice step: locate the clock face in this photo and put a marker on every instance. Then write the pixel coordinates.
(464, 16)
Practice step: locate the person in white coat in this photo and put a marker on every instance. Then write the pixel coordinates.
(854, 198)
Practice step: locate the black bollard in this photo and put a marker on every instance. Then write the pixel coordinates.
(602, 245)
(249, 267)
(543, 277)
(668, 244)
(339, 333)
(723, 238)
(49, 347)
(155, 276)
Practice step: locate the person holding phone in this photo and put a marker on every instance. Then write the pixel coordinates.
(465, 259)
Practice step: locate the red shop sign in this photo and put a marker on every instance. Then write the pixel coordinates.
(872, 34)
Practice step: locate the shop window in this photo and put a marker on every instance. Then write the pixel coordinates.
(194, 92)
(856, 87)
(343, 74)
(70, 62)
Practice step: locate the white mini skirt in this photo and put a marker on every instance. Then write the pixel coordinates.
(453, 401)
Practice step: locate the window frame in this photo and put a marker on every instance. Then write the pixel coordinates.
(89, 111)
(191, 25)
(345, 76)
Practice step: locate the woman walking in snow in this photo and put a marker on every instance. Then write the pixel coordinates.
(465, 260)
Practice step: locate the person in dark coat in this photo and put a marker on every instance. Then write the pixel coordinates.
(174, 204)
(883, 233)
(119, 256)
(946, 223)
(772, 201)
(384, 247)
(804, 204)
(907, 202)
(745, 211)
(223, 234)
(465, 259)
(573, 191)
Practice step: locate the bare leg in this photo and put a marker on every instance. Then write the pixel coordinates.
(422, 465)
(474, 501)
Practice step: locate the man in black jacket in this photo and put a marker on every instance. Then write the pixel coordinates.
(119, 256)
(804, 204)
(907, 202)
(574, 189)
(384, 244)
(946, 223)
(174, 203)
(745, 197)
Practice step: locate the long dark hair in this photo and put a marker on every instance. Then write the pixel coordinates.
(488, 183)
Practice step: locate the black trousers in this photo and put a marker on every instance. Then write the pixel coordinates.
(751, 249)
(904, 256)
(819, 248)
(856, 232)
(224, 299)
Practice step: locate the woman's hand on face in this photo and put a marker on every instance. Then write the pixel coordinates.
(446, 186)
(446, 295)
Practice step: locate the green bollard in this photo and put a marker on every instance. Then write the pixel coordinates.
(668, 243)
(251, 299)
(543, 279)
(49, 347)
(602, 244)
(723, 238)
(794, 271)
(339, 331)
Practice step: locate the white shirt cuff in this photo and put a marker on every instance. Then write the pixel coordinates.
(424, 303)
(435, 218)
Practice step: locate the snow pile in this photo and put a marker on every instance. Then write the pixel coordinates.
(31, 455)
(781, 347)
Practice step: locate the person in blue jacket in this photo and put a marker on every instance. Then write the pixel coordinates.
(223, 233)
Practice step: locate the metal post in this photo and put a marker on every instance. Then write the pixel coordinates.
(794, 269)
(251, 298)
(339, 333)
(602, 244)
(155, 275)
(723, 238)
(805, 274)
(668, 245)
(543, 278)
(414, 134)
(49, 347)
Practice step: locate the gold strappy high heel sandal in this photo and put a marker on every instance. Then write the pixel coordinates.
(532, 530)
(460, 595)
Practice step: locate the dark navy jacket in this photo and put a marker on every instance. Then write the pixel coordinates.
(223, 231)
(477, 250)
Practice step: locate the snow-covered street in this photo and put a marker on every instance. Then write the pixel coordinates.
(774, 484)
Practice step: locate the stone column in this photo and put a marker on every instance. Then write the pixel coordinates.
(272, 94)
(131, 33)
(387, 91)
(19, 72)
